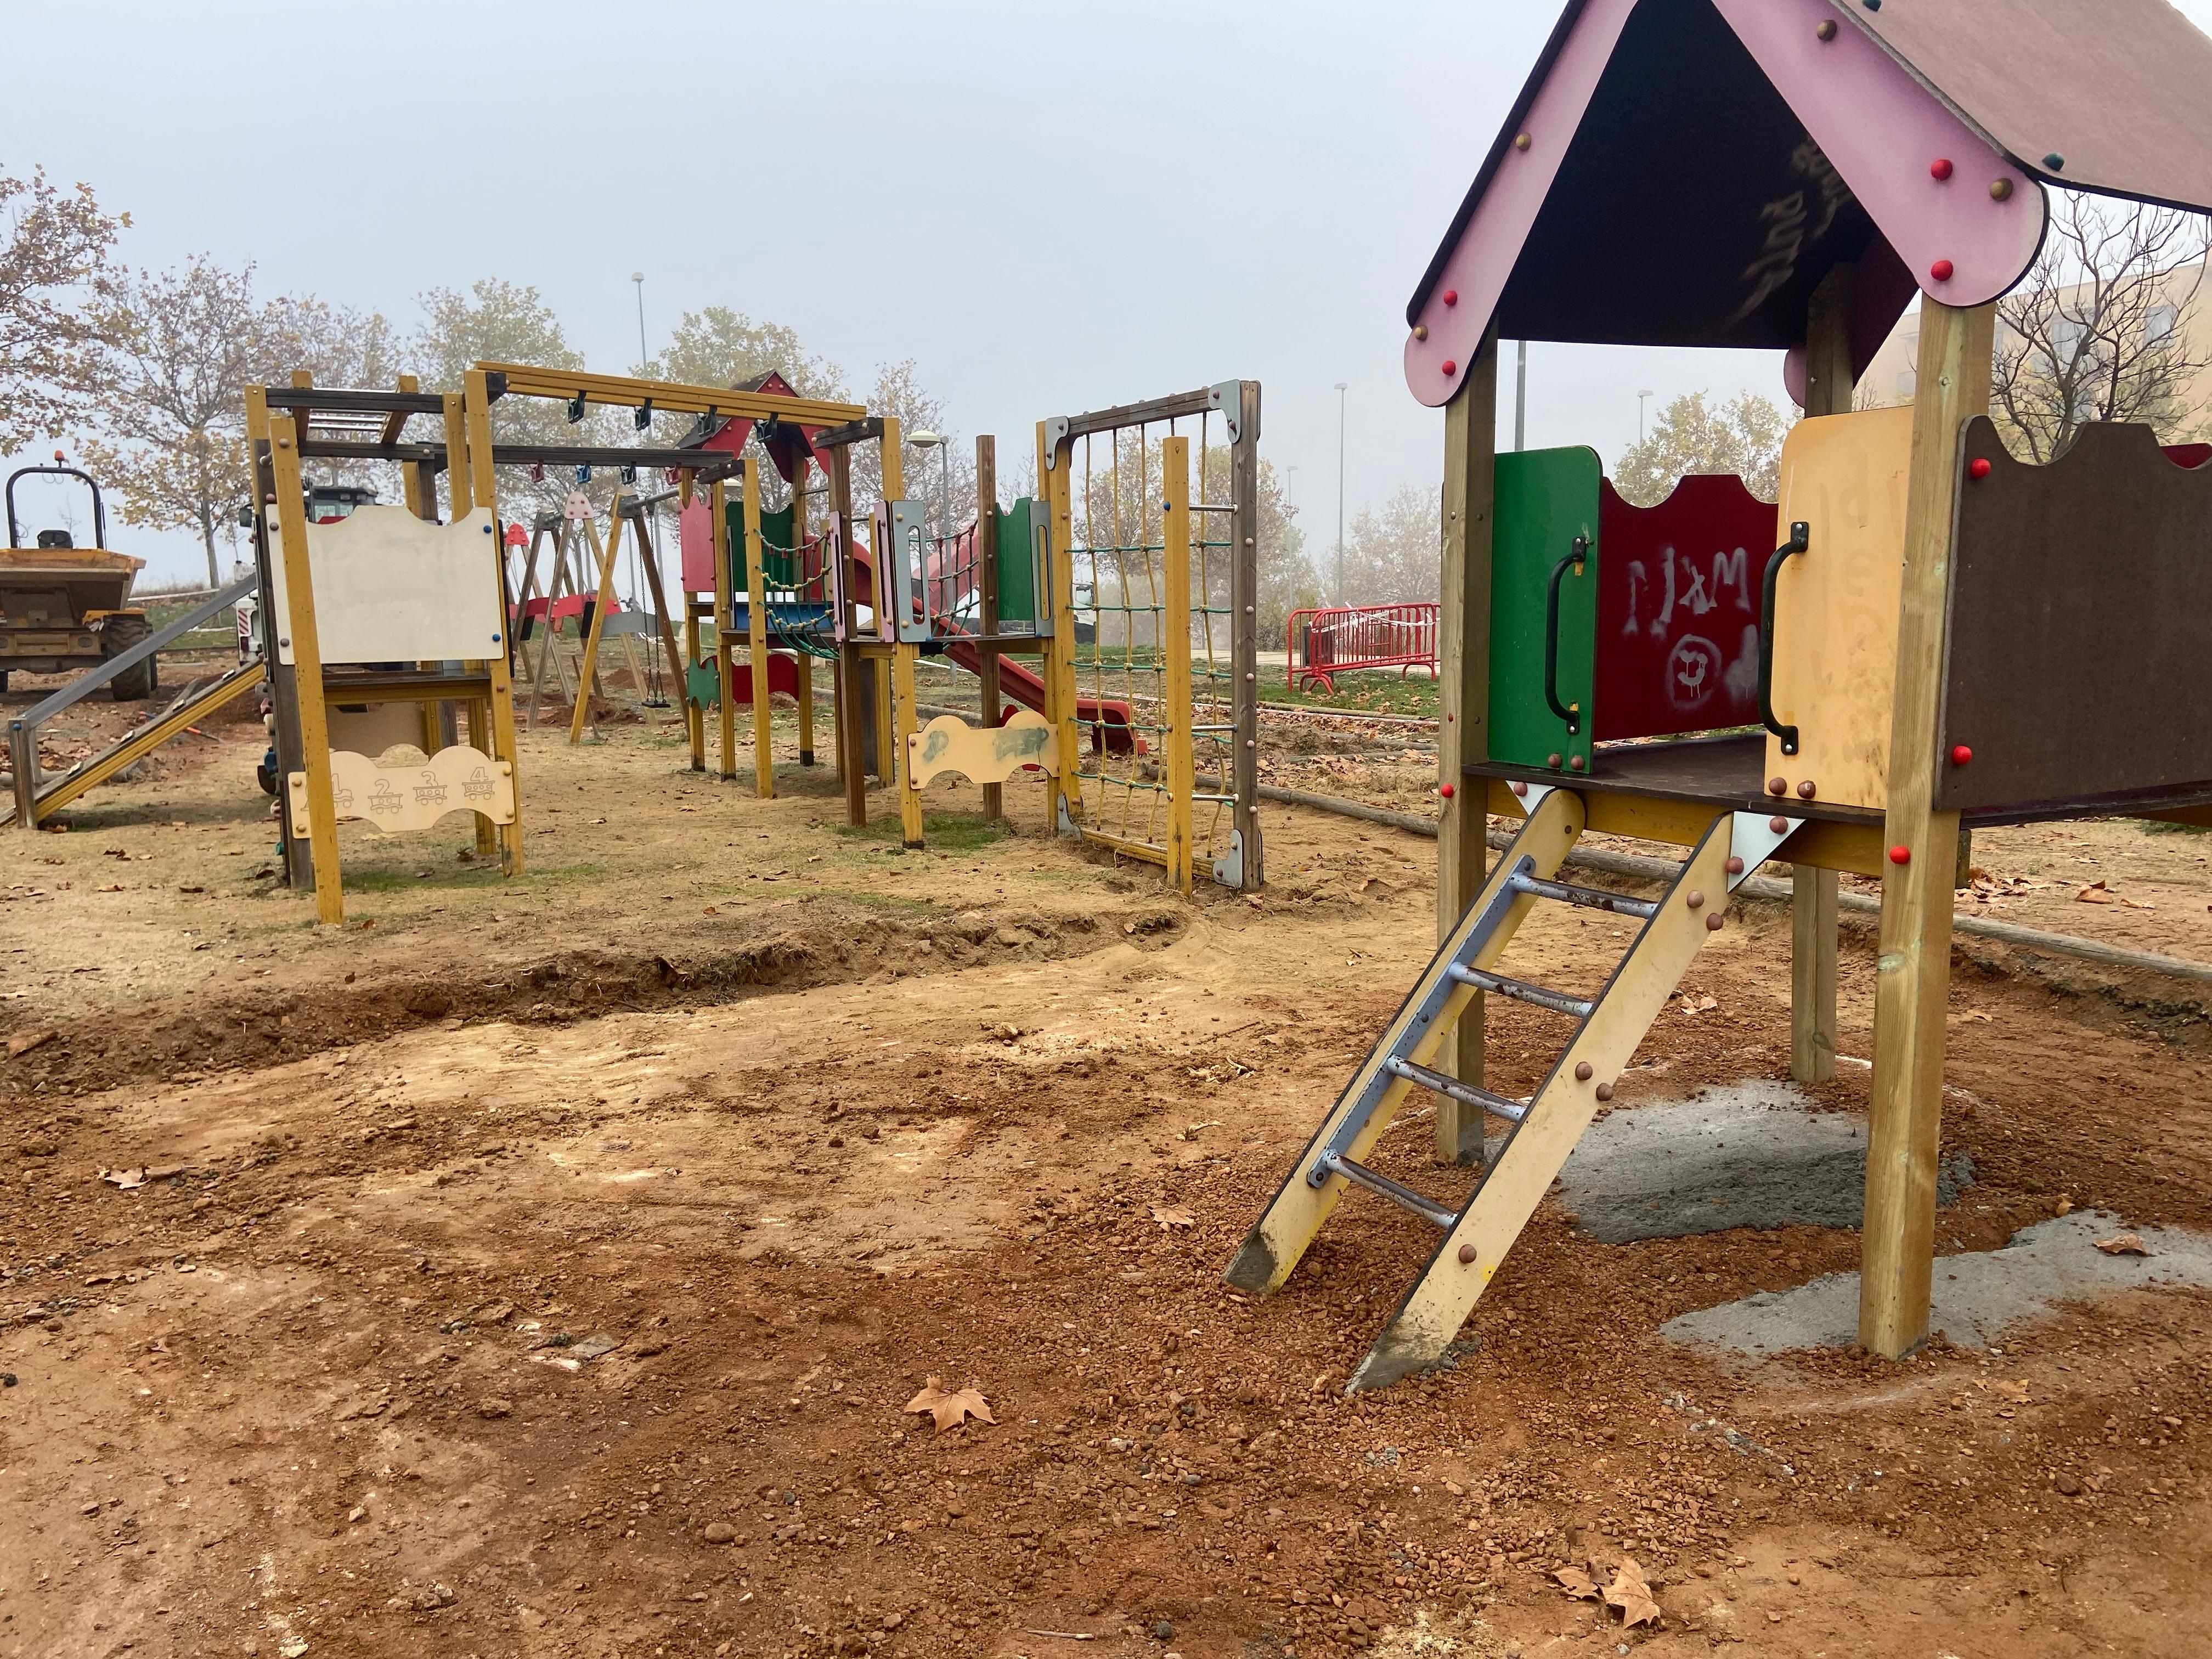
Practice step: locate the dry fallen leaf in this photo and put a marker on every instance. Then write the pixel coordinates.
(1168, 1216)
(126, 1179)
(25, 1042)
(2094, 893)
(949, 1409)
(1579, 1584)
(2122, 1244)
(1630, 1593)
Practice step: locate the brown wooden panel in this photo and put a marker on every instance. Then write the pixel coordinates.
(2081, 624)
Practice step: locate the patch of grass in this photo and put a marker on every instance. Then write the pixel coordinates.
(945, 832)
(2158, 827)
(1372, 691)
(401, 881)
(894, 903)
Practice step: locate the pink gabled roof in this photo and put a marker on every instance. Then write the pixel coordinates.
(1686, 171)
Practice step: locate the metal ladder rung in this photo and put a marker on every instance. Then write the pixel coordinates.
(1521, 991)
(1496, 1105)
(1420, 1203)
(1590, 898)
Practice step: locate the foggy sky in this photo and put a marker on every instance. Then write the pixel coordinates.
(1050, 207)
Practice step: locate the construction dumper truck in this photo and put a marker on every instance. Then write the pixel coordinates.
(63, 607)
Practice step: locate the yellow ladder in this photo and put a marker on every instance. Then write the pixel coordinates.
(1609, 1025)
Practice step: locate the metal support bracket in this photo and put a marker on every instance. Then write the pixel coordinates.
(1227, 399)
(1753, 839)
(1065, 825)
(1055, 433)
(1228, 868)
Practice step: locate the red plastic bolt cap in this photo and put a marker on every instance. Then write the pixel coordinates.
(1940, 168)
(1962, 755)
(1451, 367)
(1978, 467)
(1735, 867)
(1552, 761)
(1451, 297)
(1806, 789)
(1576, 763)
(1777, 785)
(1446, 791)
(1900, 856)
(1941, 270)
(1777, 825)
(1520, 788)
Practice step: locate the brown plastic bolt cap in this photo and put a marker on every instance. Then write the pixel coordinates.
(1583, 1072)
(1552, 761)
(1605, 1092)
(1466, 1253)
(1806, 789)
(1713, 922)
(1575, 763)
(1777, 825)
(1696, 901)
(1735, 866)
(1777, 785)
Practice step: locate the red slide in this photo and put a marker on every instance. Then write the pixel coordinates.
(1109, 718)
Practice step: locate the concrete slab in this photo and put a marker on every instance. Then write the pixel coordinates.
(1978, 1296)
(1751, 1154)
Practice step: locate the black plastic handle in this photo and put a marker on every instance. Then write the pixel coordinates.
(1573, 716)
(1801, 538)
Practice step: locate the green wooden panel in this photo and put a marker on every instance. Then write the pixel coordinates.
(775, 528)
(1018, 596)
(1546, 498)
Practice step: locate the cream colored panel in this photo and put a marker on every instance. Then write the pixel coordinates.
(982, 754)
(415, 797)
(1836, 605)
(392, 587)
(376, 728)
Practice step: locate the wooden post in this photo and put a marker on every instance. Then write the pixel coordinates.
(987, 599)
(725, 704)
(852, 766)
(805, 666)
(1828, 386)
(298, 625)
(1463, 698)
(587, 671)
(757, 627)
(1175, 654)
(694, 718)
(1912, 973)
(1244, 626)
(1054, 464)
(484, 488)
(460, 501)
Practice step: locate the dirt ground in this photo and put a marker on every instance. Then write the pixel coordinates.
(541, 1267)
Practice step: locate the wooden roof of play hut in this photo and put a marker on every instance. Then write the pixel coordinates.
(1686, 172)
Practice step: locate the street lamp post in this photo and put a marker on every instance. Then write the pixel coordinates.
(638, 278)
(1341, 386)
(1641, 398)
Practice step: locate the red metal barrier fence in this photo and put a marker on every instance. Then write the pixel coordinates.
(1338, 638)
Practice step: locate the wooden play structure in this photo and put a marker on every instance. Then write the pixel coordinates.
(1923, 636)
(389, 626)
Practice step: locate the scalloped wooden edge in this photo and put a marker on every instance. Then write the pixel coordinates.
(396, 799)
(981, 754)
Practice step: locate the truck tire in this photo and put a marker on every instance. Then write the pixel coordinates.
(117, 635)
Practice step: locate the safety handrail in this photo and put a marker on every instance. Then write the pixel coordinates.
(99, 513)
(1571, 714)
(1801, 538)
(78, 689)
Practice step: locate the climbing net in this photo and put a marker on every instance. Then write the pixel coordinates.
(801, 594)
(1132, 615)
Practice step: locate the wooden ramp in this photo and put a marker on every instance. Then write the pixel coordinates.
(1475, 1237)
(196, 705)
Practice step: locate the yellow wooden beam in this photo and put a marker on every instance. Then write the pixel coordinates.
(298, 624)
(624, 391)
(1855, 848)
(587, 672)
(1912, 972)
(148, 738)
(1463, 722)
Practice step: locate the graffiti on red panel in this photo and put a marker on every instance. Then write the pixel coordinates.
(1678, 609)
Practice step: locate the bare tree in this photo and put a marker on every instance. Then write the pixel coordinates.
(1390, 556)
(1690, 435)
(172, 409)
(2099, 330)
(57, 294)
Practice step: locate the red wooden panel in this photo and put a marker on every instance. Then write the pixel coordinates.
(695, 533)
(1678, 609)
